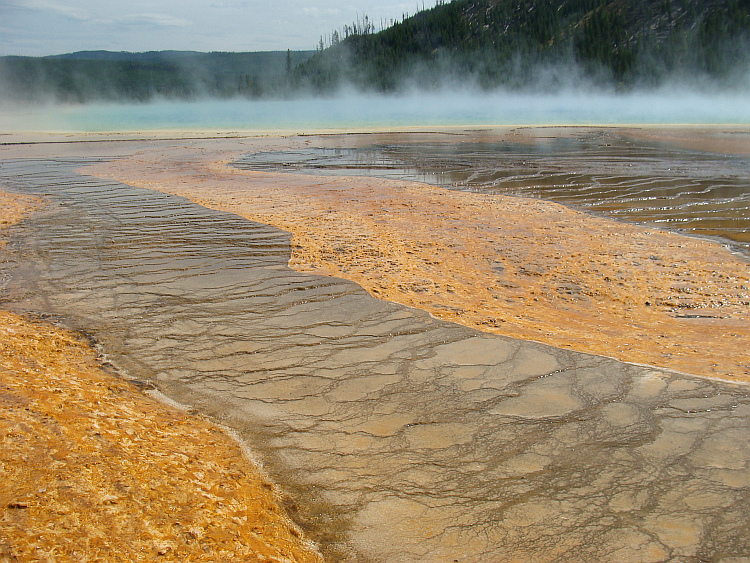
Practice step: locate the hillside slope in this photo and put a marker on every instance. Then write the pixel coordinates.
(517, 44)
(109, 76)
(506, 42)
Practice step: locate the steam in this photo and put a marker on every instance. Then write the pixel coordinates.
(352, 110)
(556, 94)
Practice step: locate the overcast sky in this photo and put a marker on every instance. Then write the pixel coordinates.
(48, 27)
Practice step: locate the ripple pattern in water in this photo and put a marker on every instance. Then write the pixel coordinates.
(399, 437)
(692, 192)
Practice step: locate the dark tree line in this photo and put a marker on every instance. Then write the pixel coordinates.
(504, 42)
(492, 43)
(140, 77)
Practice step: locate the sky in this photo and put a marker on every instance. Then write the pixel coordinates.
(50, 27)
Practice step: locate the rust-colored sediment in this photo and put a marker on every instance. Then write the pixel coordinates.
(92, 469)
(519, 267)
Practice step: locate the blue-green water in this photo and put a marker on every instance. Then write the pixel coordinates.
(358, 111)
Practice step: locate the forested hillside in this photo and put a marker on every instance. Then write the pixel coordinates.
(509, 42)
(516, 44)
(107, 76)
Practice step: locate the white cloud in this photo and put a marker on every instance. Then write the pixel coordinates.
(161, 20)
(234, 4)
(65, 10)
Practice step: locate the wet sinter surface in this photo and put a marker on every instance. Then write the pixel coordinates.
(398, 436)
(693, 192)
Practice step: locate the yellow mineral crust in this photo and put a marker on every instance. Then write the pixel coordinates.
(93, 469)
(14, 207)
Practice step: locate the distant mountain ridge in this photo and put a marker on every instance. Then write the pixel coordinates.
(87, 76)
(268, 57)
(146, 56)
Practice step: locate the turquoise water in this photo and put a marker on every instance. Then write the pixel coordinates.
(358, 111)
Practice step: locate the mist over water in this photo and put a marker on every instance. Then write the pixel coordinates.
(357, 111)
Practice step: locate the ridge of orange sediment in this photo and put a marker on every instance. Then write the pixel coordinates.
(90, 467)
(14, 208)
(93, 468)
(518, 267)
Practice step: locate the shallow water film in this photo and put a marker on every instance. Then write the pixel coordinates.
(398, 437)
(689, 191)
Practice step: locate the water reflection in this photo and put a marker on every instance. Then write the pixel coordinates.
(400, 437)
(692, 192)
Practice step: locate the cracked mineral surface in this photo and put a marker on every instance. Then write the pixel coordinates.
(398, 436)
(513, 266)
(93, 469)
